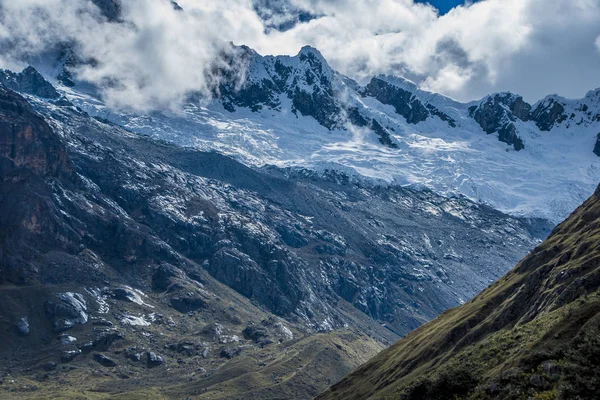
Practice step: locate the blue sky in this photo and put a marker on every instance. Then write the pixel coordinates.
(443, 5)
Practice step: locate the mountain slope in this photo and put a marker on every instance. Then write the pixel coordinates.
(86, 284)
(534, 332)
(142, 259)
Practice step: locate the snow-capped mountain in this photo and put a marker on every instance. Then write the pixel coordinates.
(179, 266)
(531, 160)
(271, 225)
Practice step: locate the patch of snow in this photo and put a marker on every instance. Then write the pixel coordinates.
(140, 320)
(136, 296)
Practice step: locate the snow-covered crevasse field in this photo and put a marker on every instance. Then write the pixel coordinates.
(554, 173)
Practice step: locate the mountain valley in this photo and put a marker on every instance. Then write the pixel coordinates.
(284, 231)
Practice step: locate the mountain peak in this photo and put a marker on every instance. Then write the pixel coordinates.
(28, 81)
(312, 55)
(308, 50)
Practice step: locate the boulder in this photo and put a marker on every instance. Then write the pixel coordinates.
(66, 339)
(188, 302)
(69, 355)
(164, 276)
(86, 347)
(70, 311)
(104, 361)
(212, 331)
(106, 339)
(188, 348)
(538, 381)
(551, 369)
(230, 352)
(134, 353)
(154, 360)
(255, 333)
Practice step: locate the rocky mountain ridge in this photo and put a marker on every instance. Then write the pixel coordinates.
(316, 90)
(298, 111)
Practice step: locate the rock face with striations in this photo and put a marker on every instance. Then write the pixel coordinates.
(548, 113)
(404, 100)
(306, 79)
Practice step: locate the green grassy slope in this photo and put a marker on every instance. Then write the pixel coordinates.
(535, 333)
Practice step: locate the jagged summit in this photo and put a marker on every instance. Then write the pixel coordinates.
(28, 81)
(398, 81)
(309, 51)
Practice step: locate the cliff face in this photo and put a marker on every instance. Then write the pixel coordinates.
(32, 157)
(533, 332)
(27, 144)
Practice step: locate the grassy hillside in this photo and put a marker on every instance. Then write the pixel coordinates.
(295, 370)
(535, 333)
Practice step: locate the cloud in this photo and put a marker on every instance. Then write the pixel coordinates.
(533, 47)
(157, 55)
(151, 59)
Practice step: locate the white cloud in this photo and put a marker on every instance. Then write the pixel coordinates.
(150, 61)
(533, 47)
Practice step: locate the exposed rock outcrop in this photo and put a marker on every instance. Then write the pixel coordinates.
(404, 102)
(498, 113)
(548, 113)
(28, 81)
(28, 146)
